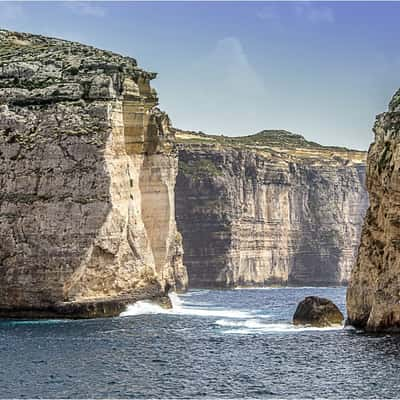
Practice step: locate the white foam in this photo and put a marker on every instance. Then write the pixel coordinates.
(351, 328)
(177, 303)
(143, 307)
(179, 308)
(148, 307)
(249, 323)
(230, 321)
(286, 287)
(255, 327)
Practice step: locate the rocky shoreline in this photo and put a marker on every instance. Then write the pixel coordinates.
(86, 309)
(87, 174)
(93, 192)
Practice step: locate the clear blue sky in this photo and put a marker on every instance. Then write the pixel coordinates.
(321, 69)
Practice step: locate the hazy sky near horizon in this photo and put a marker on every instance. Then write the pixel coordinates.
(321, 69)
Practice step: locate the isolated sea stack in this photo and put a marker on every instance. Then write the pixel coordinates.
(373, 297)
(270, 208)
(88, 168)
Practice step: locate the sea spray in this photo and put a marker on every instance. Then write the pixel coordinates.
(143, 307)
(179, 307)
(256, 327)
(227, 320)
(176, 302)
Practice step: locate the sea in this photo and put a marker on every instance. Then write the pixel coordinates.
(213, 344)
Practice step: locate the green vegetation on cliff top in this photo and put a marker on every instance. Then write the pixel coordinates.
(270, 140)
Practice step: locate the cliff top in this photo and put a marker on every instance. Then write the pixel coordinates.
(35, 66)
(43, 78)
(18, 46)
(276, 144)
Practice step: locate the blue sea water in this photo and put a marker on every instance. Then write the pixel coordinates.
(213, 344)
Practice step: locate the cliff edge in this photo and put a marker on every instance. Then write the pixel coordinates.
(269, 208)
(88, 167)
(373, 296)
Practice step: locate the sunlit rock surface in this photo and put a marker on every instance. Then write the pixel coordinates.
(317, 311)
(88, 169)
(270, 208)
(373, 297)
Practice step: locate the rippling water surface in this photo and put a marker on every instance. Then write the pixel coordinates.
(236, 343)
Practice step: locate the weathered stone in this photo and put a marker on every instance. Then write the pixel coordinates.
(85, 217)
(91, 308)
(271, 208)
(373, 296)
(317, 311)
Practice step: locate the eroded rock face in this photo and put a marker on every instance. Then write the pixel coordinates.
(270, 208)
(373, 296)
(317, 311)
(87, 176)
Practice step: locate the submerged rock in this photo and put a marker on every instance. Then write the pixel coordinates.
(87, 175)
(317, 311)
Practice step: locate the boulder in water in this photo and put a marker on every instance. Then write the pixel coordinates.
(317, 311)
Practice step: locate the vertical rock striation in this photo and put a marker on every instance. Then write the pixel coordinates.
(270, 208)
(88, 169)
(373, 296)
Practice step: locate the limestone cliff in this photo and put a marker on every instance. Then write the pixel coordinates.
(270, 208)
(88, 169)
(373, 296)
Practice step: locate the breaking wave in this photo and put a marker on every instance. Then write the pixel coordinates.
(180, 308)
(143, 307)
(252, 326)
(227, 320)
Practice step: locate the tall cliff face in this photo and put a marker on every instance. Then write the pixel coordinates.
(268, 208)
(373, 296)
(88, 171)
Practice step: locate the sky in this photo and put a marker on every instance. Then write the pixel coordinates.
(320, 69)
